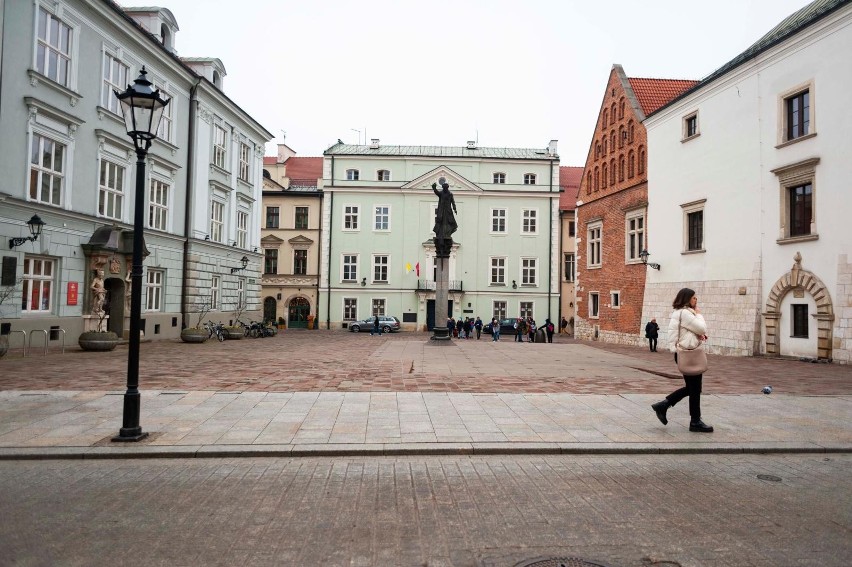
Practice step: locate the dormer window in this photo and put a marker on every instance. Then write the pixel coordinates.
(383, 175)
(499, 178)
(217, 79)
(529, 179)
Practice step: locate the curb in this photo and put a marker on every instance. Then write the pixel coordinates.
(410, 449)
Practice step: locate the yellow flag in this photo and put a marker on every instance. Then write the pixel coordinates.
(407, 267)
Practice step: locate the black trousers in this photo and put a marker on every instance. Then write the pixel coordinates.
(653, 342)
(691, 389)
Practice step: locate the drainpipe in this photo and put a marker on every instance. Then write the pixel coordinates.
(328, 270)
(550, 247)
(319, 263)
(187, 215)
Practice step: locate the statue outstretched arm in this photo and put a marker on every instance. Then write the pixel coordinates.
(435, 189)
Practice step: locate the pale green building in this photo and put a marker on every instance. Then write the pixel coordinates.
(377, 218)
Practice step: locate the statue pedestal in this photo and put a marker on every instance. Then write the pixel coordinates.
(440, 332)
(92, 322)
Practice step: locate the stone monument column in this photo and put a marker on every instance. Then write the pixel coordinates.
(442, 296)
(445, 226)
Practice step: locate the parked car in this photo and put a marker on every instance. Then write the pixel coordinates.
(386, 324)
(507, 326)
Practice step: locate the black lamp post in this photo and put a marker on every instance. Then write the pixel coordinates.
(244, 261)
(35, 224)
(644, 256)
(143, 108)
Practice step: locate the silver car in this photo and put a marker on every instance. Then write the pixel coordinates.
(386, 324)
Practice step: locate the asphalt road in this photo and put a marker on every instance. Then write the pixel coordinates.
(632, 510)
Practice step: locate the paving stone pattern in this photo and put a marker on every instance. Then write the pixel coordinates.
(429, 511)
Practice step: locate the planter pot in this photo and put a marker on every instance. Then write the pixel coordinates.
(234, 333)
(93, 340)
(194, 335)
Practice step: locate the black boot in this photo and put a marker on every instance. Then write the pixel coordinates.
(700, 427)
(661, 408)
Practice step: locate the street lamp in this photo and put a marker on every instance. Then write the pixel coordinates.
(644, 256)
(244, 261)
(142, 108)
(35, 224)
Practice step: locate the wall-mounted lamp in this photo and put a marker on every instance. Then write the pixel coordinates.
(255, 248)
(644, 255)
(244, 262)
(514, 284)
(234, 243)
(363, 282)
(35, 225)
(206, 237)
(278, 297)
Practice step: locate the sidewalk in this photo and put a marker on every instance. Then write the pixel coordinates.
(567, 397)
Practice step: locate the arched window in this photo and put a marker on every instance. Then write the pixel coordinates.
(604, 145)
(612, 171)
(630, 132)
(612, 141)
(612, 112)
(622, 135)
(621, 109)
(597, 150)
(597, 179)
(621, 167)
(641, 160)
(603, 177)
(589, 183)
(605, 116)
(631, 164)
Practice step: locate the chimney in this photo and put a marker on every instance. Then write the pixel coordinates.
(471, 144)
(551, 148)
(374, 143)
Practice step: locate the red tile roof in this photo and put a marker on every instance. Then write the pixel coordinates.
(654, 93)
(304, 168)
(270, 160)
(569, 182)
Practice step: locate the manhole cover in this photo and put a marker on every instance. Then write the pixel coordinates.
(769, 477)
(560, 562)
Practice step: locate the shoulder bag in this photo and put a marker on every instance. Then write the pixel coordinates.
(690, 362)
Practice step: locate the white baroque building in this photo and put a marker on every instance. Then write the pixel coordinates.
(67, 158)
(749, 199)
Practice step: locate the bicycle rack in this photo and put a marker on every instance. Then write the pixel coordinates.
(60, 330)
(23, 343)
(46, 339)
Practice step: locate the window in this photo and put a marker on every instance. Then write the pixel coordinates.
(164, 131)
(214, 293)
(528, 271)
(800, 321)
(528, 221)
(622, 136)
(378, 308)
(53, 50)
(797, 110)
(612, 141)
(498, 310)
(529, 179)
(350, 308)
(270, 261)
(217, 221)
(634, 235)
(37, 285)
(350, 217)
(244, 161)
(612, 171)
(242, 229)
(219, 147)
(622, 166)
(604, 145)
(241, 292)
(630, 131)
(641, 161)
(111, 191)
(500, 178)
(621, 108)
(526, 309)
(498, 271)
(158, 205)
(350, 267)
(594, 246)
(154, 290)
(380, 269)
(47, 170)
(382, 218)
(594, 305)
(615, 299)
(603, 176)
(570, 267)
(693, 226)
(597, 179)
(352, 175)
(300, 262)
(115, 78)
(605, 118)
(572, 228)
(690, 126)
(631, 164)
(797, 201)
(301, 218)
(272, 217)
(498, 220)
(383, 175)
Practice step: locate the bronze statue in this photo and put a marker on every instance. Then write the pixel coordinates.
(445, 220)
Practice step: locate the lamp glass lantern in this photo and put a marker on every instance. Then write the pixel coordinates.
(36, 224)
(142, 108)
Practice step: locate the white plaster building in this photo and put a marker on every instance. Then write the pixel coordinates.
(749, 200)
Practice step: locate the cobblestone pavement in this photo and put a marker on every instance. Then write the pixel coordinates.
(324, 361)
(430, 511)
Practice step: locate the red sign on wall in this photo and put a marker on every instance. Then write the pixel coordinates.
(72, 293)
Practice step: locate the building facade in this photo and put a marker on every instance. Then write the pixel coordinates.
(73, 166)
(569, 185)
(379, 211)
(748, 178)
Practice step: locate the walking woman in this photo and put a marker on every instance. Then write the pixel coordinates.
(686, 329)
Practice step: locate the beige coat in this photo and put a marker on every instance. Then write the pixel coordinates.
(692, 329)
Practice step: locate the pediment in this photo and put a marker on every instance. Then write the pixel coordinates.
(271, 239)
(300, 240)
(457, 182)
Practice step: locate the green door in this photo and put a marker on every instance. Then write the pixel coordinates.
(298, 313)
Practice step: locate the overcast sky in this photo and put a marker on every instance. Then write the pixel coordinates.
(437, 72)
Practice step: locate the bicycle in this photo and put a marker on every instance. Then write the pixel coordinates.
(217, 329)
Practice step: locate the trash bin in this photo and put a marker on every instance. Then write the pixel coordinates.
(540, 336)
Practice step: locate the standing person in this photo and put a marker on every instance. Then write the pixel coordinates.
(531, 328)
(478, 326)
(495, 330)
(563, 324)
(520, 329)
(687, 329)
(460, 328)
(548, 327)
(651, 331)
(451, 326)
(376, 328)
(467, 327)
